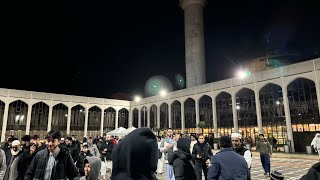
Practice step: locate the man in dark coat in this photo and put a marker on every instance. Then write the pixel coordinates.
(136, 156)
(105, 150)
(29, 153)
(73, 149)
(313, 173)
(52, 162)
(181, 161)
(227, 164)
(201, 153)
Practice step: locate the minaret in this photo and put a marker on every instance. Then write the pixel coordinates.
(194, 42)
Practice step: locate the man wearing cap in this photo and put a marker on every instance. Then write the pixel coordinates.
(83, 154)
(12, 160)
(227, 164)
(52, 162)
(264, 148)
(240, 149)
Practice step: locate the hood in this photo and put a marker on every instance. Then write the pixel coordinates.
(184, 144)
(95, 166)
(136, 156)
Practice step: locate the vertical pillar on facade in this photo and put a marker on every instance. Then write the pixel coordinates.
(117, 119)
(69, 120)
(258, 109)
(169, 115)
(214, 117)
(148, 117)
(5, 121)
(139, 118)
(28, 119)
(158, 116)
(130, 117)
(234, 112)
(86, 118)
(183, 123)
(287, 115)
(101, 123)
(50, 118)
(317, 82)
(197, 115)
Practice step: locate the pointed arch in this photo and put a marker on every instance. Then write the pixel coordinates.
(153, 116)
(123, 118)
(176, 116)
(39, 119)
(59, 117)
(190, 115)
(109, 121)
(164, 116)
(205, 110)
(94, 121)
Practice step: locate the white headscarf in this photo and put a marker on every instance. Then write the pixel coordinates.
(314, 140)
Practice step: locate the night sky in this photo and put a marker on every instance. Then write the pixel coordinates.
(101, 48)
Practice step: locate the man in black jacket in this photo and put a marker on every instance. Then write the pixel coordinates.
(34, 147)
(52, 162)
(106, 151)
(73, 149)
(201, 155)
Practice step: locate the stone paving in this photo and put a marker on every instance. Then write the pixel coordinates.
(293, 166)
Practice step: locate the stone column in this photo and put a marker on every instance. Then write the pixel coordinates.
(28, 119)
(117, 119)
(317, 83)
(197, 115)
(287, 114)
(258, 110)
(86, 118)
(50, 118)
(169, 115)
(101, 123)
(234, 112)
(158, 116)
(194, 42)
(183, 123)
(5, 121)
(130, 117)
(148, 115)
(214, 115)
(139, 118)
(69, 120)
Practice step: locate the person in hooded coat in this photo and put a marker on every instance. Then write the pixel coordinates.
(181, 161)
(136, 156)
(92, 166)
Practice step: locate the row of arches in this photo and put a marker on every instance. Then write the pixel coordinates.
(18, 111)
(303, 105)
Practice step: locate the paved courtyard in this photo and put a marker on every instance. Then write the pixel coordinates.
(292, 165)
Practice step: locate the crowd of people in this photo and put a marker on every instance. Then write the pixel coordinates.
(139, 155)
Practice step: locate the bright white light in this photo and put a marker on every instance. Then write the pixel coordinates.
(17, 117)
(242, 74)
(163, 93)
(154, 86)
(238, 107)
(137, 98)
(180, 80)
(66, 115)
(21, 118)
(80, 110)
